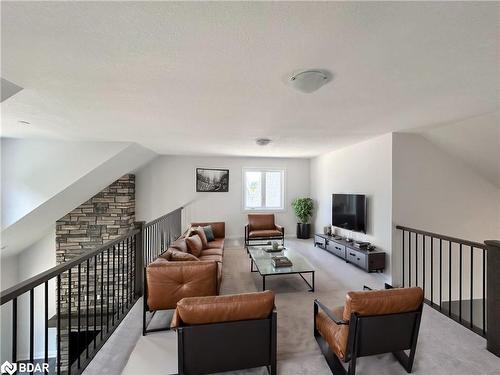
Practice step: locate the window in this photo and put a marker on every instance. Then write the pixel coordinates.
(263, 189)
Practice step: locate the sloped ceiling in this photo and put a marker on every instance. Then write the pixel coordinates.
(210, 77)
(475, 141)
(35, 224)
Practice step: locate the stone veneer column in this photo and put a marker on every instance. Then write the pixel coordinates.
(106, 216)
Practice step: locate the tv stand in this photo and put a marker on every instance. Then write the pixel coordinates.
(369, 260)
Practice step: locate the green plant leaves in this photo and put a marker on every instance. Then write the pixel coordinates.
(303, 208)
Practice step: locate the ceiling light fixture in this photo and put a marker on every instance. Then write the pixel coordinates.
(309, 80)
(24, 122)
(263, 141)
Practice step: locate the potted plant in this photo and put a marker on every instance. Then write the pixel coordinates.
(303, 208)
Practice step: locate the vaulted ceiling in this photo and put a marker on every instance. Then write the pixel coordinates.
(210, 77)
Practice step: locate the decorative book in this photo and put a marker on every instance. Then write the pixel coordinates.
(281, 261)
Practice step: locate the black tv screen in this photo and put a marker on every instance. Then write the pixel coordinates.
(349, 212)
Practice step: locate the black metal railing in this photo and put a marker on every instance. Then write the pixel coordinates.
(90, 294)
(451, 271)
(101, 287)
(160, 233)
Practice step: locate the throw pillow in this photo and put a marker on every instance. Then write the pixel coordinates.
(180, 244)
(177, 255)
(201, 233)
(195, 246)
(209, 233)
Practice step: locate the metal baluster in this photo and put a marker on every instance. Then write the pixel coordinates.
(449, 278)
(79, 306)
(432, 271)
(484, 291)
(46, 327)
(107, 290)
(118, 284)
(423, 264)
(32, 324)
(102, 296)
(58, 324)
(14, 330)
(87, 312)
(123, 275)
(409, 259)
(127, 300)
(440, 274)
(69, 318)
(113, 306)
(416, 259)
(460, 286)
(471, 285)
(95, 301)
(403, 256)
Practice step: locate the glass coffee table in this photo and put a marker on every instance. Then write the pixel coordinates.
(261, 259)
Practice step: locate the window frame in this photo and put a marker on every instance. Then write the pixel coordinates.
(263, 170)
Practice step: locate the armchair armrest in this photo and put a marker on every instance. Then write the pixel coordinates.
(330, 314)
(280, 228)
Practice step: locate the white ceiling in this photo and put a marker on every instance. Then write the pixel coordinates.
(209, 78)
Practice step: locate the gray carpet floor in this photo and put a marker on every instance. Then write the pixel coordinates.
(444, 346)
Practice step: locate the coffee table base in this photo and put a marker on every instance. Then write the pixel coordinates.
(310, 285)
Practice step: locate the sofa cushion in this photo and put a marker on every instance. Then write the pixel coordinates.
(175, 255)
(218, 227)
(212, 251)
(180, 244)
(209, 233)
(200, 232)
(169, 282)
(215, 309)
(216, 244)
(261, 221)
(217, 258)
(194, 244)
(264, 233)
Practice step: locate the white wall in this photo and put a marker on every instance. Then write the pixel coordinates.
(8, 278)
(169, 182)
(363, 168)
(437, 192)
(35, 259)
(36, 170)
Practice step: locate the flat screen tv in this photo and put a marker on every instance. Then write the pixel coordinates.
(349, 212)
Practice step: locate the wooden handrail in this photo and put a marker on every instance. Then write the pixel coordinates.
(443, 237)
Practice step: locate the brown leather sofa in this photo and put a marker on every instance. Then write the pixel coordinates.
(370, 323)
(261, 227)
(188, 268)
(225, 333)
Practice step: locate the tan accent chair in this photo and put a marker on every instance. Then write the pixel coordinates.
(261, 227)
(226, 333)
(357, 328)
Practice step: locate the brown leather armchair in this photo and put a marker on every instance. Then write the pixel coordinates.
(261, 227)
(370, 323)
(225, 333)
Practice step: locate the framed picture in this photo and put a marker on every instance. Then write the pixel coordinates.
(212, 180)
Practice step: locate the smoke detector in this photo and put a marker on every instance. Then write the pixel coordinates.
(309, 81)
(263, 141)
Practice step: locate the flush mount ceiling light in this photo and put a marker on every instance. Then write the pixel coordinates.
(263, 141)
(24, 122)
(309, 80)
